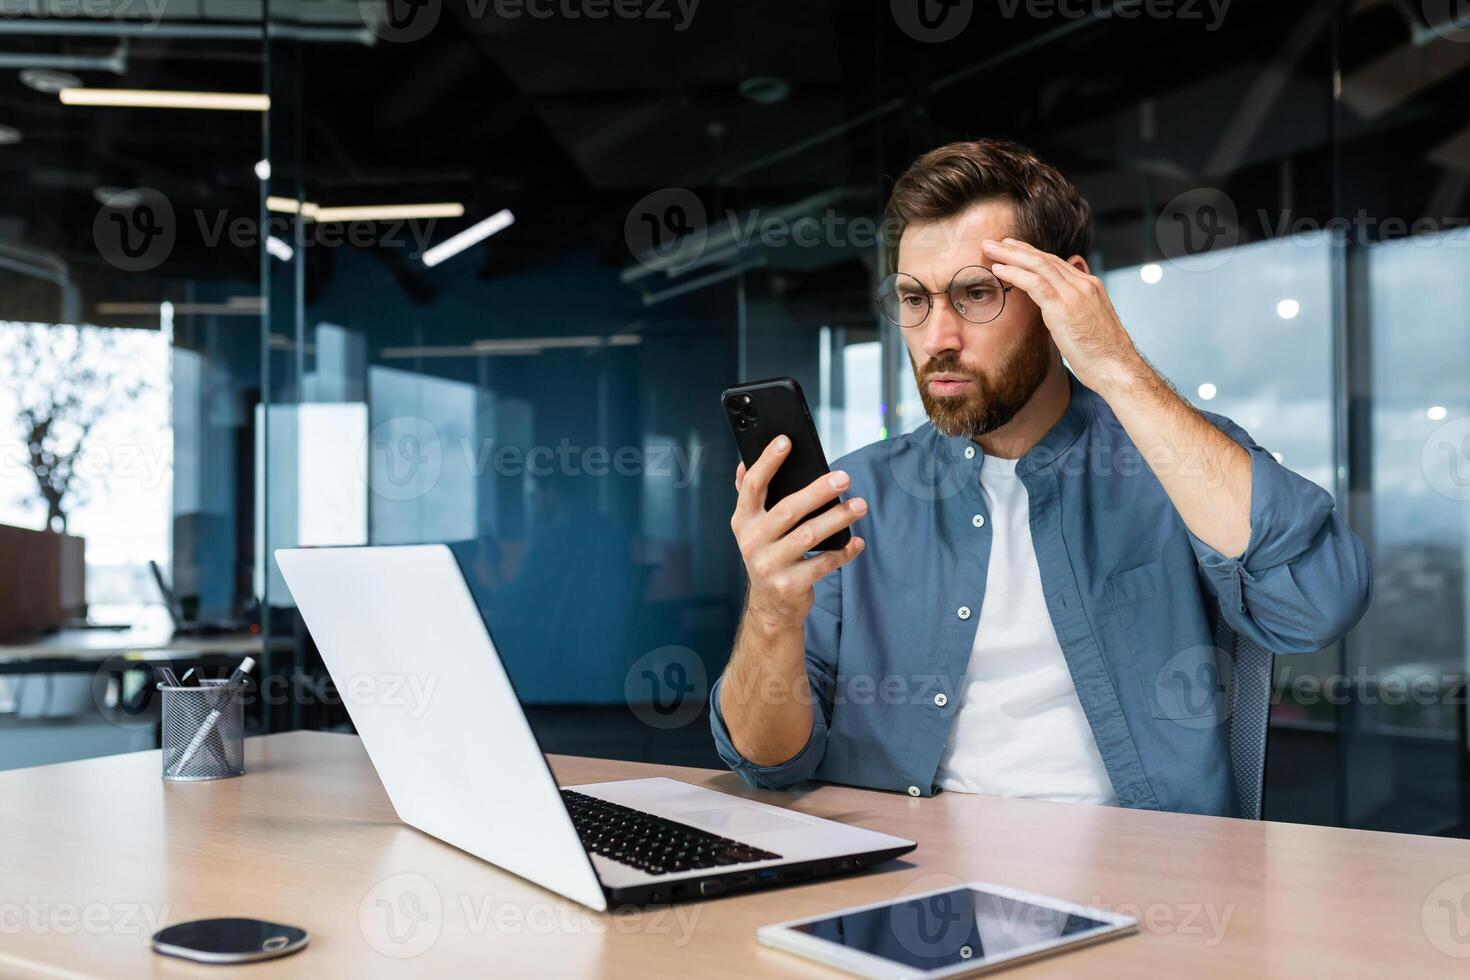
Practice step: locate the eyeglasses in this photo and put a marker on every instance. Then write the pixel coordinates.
(974, 292)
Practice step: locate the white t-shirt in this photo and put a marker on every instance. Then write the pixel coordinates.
(1019, 729)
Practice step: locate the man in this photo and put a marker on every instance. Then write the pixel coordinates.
(1030, 607)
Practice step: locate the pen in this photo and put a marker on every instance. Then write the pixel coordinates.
(169, 677)
(231, 687)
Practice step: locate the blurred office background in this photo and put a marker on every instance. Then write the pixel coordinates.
(221, 336)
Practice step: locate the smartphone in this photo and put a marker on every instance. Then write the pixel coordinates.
(759, 411)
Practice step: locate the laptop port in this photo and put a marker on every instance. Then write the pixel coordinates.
(767, 876)
(739, 880)
(798, 874)
(712, 887)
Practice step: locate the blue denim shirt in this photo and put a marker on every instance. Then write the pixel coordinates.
(1130, 590)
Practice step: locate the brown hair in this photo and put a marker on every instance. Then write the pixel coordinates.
(1050, 213)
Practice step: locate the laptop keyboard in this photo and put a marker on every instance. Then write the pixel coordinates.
(649, 843)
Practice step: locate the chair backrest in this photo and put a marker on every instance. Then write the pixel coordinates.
(1248, 692)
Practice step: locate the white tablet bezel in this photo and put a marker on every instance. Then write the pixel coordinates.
(784, 936)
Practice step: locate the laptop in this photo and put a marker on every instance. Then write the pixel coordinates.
(417, 669)
(183, 626)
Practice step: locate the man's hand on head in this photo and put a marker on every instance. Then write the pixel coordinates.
(1212, 496)
(1077, 311)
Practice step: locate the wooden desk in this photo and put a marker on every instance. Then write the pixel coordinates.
(89, 850)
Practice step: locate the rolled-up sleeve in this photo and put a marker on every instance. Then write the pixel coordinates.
(823, 631)
(1304, 579)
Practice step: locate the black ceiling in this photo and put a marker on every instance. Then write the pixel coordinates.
(569, 121)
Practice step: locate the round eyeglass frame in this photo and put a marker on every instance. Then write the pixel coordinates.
(946, 291)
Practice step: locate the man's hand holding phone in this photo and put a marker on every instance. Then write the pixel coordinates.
(773, 542)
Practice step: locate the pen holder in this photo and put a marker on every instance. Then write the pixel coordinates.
(203, 731)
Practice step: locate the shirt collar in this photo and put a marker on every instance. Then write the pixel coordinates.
(1056, 441)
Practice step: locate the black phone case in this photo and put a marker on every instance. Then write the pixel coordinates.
(759, 411)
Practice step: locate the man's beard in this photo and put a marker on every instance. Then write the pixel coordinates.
(989, 403)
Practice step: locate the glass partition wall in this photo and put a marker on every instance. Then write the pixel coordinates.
(130, 297)
(477, 273)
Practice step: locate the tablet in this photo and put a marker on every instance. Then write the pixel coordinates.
(951, 932)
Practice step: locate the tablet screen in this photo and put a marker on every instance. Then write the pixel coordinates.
(933, 932)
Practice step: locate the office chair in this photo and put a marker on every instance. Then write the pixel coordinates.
(1249, 700)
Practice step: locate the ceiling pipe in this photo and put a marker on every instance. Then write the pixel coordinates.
(116, 63)
(188, 31)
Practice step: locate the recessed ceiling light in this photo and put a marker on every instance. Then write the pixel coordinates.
(1437, 412)
(263, 170)
(288, 205)
(9, 135)
(765, 89)
(48, 81)
(117, 197)
(1151, 273)
(363, 212)
(1287, 309)
(387, 212)
(132, 98)
(1207, 391)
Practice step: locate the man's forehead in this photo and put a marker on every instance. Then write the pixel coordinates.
(959, 235)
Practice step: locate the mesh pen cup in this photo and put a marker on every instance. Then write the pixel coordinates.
(203, 731)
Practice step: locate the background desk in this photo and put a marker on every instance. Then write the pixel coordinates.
(90, 850)
(151, 633)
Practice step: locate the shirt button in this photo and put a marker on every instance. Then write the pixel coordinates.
(963, 612)
(941, 699)
(978, 520)
(969, 452)
(913, 791)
